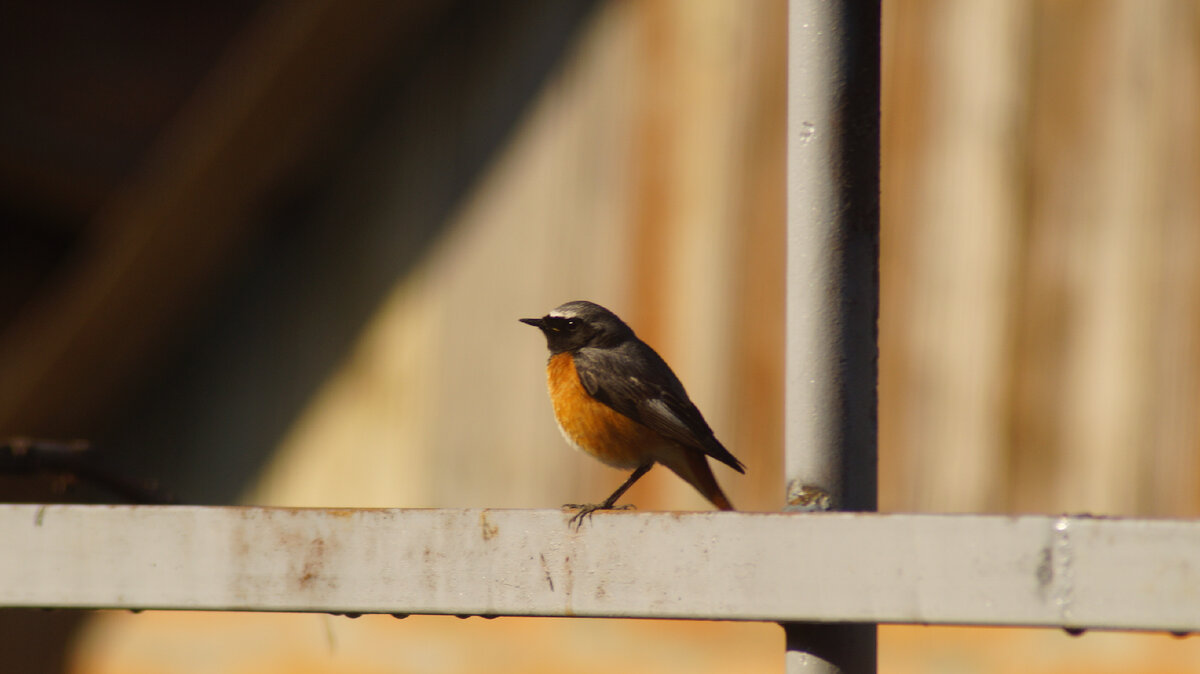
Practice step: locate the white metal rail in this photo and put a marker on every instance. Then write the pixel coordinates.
(1070, 572)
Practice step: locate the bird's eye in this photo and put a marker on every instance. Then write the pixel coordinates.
(572, 323)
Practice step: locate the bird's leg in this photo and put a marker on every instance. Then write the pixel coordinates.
(586, 509)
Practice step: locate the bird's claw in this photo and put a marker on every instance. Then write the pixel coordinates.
(586, 510)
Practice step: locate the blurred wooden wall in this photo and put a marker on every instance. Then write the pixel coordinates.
(1040, 304)
(1041, 292)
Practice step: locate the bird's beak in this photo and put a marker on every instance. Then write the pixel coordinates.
(535, 322)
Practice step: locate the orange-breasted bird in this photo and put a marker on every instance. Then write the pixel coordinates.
(615, 398)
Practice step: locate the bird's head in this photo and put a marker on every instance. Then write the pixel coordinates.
(580, 324)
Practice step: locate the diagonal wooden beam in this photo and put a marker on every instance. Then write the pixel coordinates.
(161, 242)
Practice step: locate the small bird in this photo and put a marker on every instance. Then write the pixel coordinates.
(615, 398)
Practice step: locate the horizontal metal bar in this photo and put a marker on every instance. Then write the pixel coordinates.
(1073, 572)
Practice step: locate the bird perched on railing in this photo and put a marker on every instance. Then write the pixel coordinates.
(615, 398)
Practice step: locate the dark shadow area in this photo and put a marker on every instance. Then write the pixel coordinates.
(206, 423)
(35, 640)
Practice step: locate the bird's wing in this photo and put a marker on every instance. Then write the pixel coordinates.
(642, 387)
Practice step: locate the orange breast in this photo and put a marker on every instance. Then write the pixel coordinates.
(593, 426)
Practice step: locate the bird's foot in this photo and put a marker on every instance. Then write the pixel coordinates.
(586, 510)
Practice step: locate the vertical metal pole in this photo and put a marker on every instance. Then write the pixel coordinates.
(833, 287)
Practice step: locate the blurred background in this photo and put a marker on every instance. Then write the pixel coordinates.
(274, 253)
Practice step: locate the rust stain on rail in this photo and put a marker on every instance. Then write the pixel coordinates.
(486, 527)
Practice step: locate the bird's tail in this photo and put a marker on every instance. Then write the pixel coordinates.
(693, 467)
